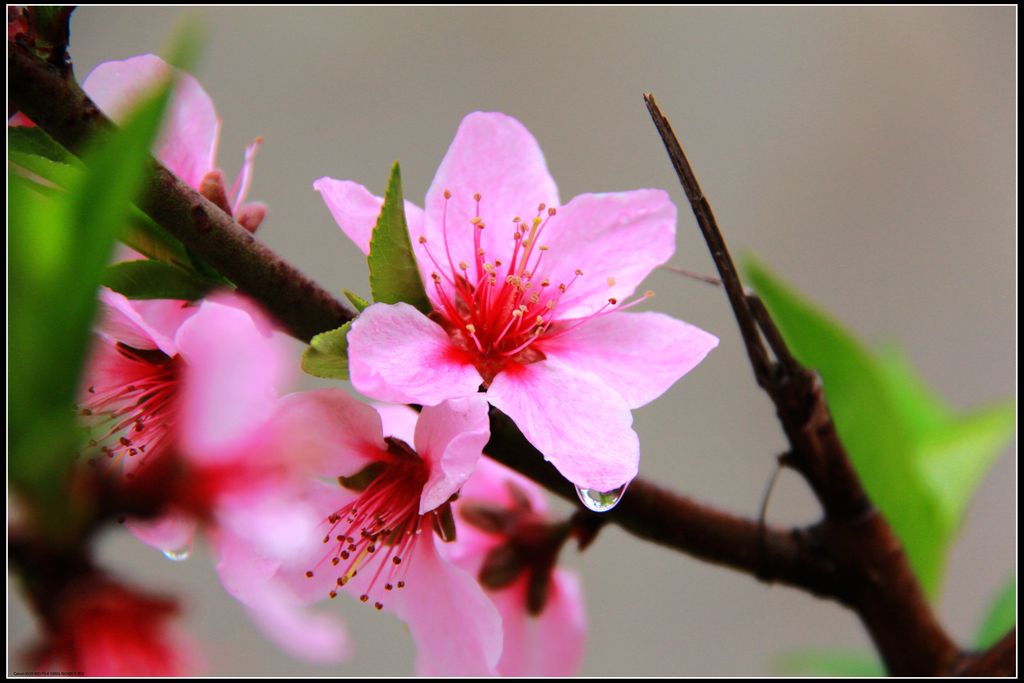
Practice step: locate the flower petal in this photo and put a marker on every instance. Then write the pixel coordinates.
(398, 420)
(455, 626)
(549, 644)
(397, 354)
(640, 355)
(355, 209)
(332, 432)
(582, 426)
(450, 437)
(127, 322)
(189, 140)
(616, 239)
(496, 156)
(252, 580)
(234, 370)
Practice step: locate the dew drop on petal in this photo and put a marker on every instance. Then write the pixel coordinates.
(600, 501)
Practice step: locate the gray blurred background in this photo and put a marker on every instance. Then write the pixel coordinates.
(866, 154)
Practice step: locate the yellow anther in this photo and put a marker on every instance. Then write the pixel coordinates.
(463, 265)
(471, 328)
(447, 194)
(545, 282)
(541, 207)
(579, 272)
(476, 196)
(476, 220)
(649, 293)
(611, 282)
(543, 247)
(517, 313)
(423, 240)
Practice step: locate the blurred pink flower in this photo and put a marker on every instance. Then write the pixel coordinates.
(188, 145)
(378, 518)
(527, 298)
(507, 540)
(101, 628)
(191, 390)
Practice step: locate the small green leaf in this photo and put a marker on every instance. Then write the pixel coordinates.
(394, 276)
(327, 354)
(1002, 615)
(829, 663)
(156, 280)
(359, 302)
(919, 462)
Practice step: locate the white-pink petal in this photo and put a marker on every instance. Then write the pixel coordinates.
(449, 438)
(551, 643)
(234, 371)
(616, 239)
(328, 431)
(188, 143)
(398, 420)
(123, 321)
(640, 355)
(252, 580)
(455, 626)
(397, 354)
(355, 209)
(582, 426)
(494, 155)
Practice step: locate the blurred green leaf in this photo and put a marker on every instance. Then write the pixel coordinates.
(156, 280)
(394, 276)
(59, 242)
(35, 141)
(830, 663)
(919, 462)
(1002, 615)
(327, 354)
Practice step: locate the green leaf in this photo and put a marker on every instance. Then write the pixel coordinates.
(829, 663)
(394, 276)
(35, 142)
(919, 462)
(1002, 615)
(327, 354)
(359, 302)
(156, 280)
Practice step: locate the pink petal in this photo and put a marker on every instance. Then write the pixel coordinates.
(355, 209)
(582, 426)
(189, 140)
(123, 321)
(252, 580)
(398, 420)
(450, 437)
(550, 644)
(494, 155)
(234, 370)
(640, 355)
(329, 431)
(172, 532)
(490, 482)
(397, 354)
(616, 239)
(455, 626)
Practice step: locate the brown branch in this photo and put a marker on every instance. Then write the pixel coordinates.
(873, 575)
(60, 107)
(998, 660)
(851, 557)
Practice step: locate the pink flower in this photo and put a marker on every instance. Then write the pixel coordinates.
(507, 540)
(527, 297)
(189, 391)
(188, 146)
(101, 628)
(383, 515)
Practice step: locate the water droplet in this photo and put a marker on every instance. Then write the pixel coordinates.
(600, 501)
(179, 555)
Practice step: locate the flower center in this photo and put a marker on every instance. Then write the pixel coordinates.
(498, 306)
(377, 532)
(136, 415)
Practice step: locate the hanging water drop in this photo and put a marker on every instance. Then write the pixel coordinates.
(600, 501)
(179, 555)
